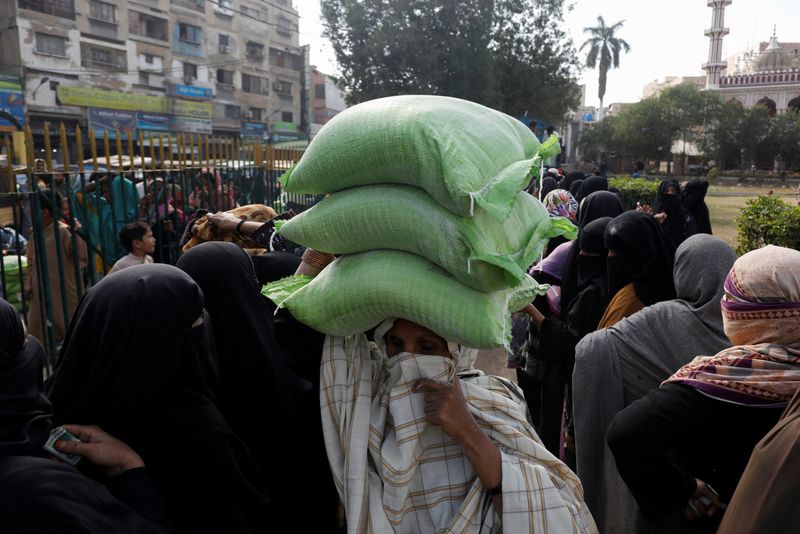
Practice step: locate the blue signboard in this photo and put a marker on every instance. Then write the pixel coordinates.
(254, 129)
(192, 91)
(12, 102)
(112, 120)
(154, 122)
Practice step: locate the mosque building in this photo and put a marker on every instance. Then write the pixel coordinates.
(768, 74)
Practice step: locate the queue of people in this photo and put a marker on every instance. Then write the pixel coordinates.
(658, 367)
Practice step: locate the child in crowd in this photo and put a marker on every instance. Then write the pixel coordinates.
(138, 240)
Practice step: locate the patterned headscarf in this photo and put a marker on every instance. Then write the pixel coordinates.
(561, 203)
(761, 314)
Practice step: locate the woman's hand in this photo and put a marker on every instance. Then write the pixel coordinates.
(446, 407)
(534, 313)
(705, 502)
(102, 449)
(661, 217)
(224, 223)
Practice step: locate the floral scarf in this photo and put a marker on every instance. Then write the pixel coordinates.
(561, 203)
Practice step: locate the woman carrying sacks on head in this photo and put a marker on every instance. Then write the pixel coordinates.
(420, 441)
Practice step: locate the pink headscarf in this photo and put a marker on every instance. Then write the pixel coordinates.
(761, 314)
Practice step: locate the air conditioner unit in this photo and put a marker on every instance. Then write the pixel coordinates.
(281, 88)
(224, 49)
(189, 80)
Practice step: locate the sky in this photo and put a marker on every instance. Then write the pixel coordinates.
(666, 37)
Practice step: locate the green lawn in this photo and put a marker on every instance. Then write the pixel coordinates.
(725, 203)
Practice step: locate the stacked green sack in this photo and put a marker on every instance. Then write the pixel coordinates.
(401, 213)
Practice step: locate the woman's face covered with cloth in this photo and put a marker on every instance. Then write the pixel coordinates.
(398, 415)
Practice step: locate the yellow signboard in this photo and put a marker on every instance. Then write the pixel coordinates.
(189, 108)
(98, 98)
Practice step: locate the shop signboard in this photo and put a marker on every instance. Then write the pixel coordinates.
(189, 108)
(99, 98)
(190, 91)
(112, 120)
(190, 125)
(254, 130)
(11, 102)
(154, 122)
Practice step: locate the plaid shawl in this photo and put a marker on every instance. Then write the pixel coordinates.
(396, 473)
(761, 314)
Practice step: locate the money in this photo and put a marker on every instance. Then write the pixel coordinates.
(60, 433)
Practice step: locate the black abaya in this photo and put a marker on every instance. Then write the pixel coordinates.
(133, 364)
(274, 411)
(644, 255)
(41, 495)
(560, 336)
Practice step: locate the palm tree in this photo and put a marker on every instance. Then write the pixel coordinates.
(604, 45)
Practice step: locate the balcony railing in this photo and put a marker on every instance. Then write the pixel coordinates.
(58, 8)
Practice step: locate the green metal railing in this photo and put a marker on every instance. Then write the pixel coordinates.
(162, 179)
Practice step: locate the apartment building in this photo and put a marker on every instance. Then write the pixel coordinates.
(327, 100)
(231, 68)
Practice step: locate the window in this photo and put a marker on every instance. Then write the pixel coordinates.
(232, 112)
(189, 33)
(252, 13)
(99, 57)
(51, 44)
(103, 11)
(147, 26)
(287, 116)
(144, 78)
(255, 50)
(283, 26)
(59, 8)
(283, 88)
(189, 71)
(224, 40)
(257, 114)
(319, 91)
(225, 76)
(149, 58)
(255, 84)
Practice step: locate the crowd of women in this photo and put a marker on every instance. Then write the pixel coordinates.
(652, 369)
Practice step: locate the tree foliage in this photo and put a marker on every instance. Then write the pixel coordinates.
(723, 131)
(507, 54)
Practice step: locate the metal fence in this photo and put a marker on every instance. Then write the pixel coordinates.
(60, 216)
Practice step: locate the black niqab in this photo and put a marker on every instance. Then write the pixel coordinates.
(644, 255)
(258, 393)
(570, 177)
(575, 188)
(694, 200)
(24, 410)
(133, 364)
(597, 205)
(548, 184)
(591, 185)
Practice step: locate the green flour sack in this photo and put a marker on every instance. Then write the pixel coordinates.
(478, 251)
(463, 154)
(356, 292)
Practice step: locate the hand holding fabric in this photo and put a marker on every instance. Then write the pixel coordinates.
(102, 449)
(446, 407)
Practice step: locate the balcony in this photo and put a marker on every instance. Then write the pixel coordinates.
(57, 8)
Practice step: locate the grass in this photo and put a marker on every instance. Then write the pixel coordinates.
(725, 202)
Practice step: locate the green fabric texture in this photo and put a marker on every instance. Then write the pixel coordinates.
(356, 292)
(13, 280)
(478, 251)
(462, 153)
